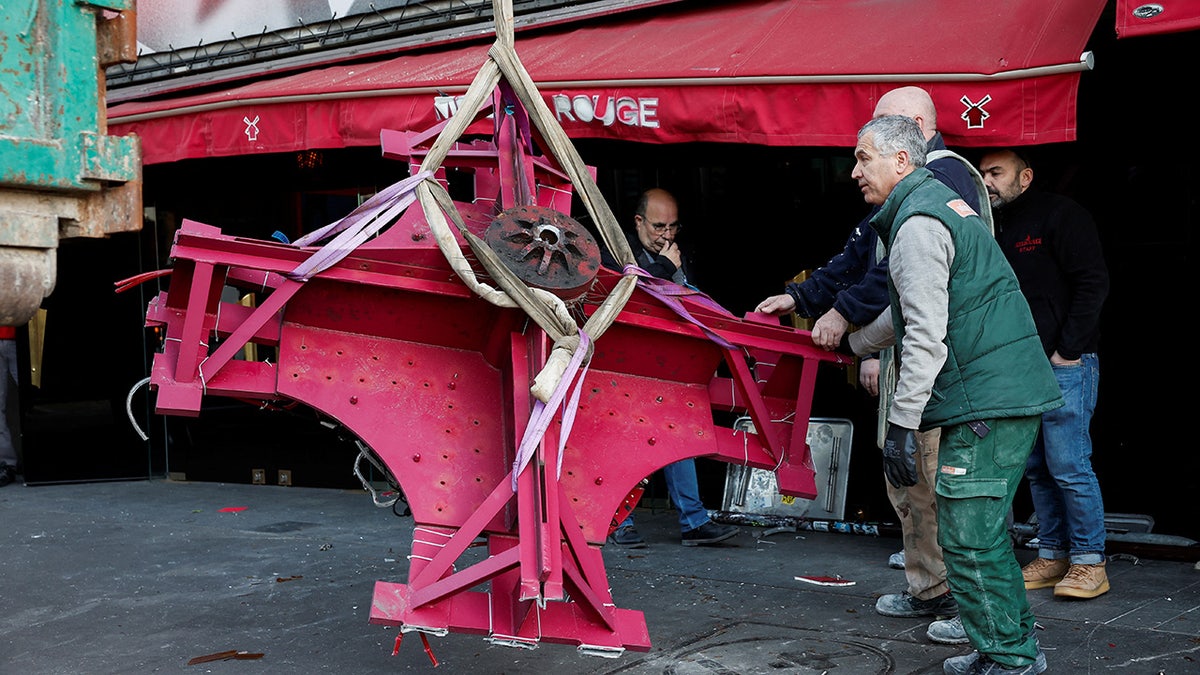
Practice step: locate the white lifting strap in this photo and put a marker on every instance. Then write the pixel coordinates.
(887, 364)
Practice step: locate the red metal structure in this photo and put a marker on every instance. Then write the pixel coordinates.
(381, 334)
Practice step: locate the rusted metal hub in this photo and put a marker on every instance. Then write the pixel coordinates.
(546, 249)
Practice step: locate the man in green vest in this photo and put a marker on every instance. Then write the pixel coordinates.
(971, 363)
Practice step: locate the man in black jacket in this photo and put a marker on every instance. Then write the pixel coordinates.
(1052, 245)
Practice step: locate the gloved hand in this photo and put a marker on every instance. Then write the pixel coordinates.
(900, 456)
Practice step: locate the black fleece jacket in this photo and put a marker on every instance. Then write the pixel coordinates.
(1052, 244)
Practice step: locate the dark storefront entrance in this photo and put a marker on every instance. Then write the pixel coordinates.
(755, 215)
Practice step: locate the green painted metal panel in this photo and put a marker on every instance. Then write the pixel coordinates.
(50, 98)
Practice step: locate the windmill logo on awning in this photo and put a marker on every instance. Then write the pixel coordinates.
(974, 115)
(251, 128)
(445, 106)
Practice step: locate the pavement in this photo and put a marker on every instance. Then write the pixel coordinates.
(144, 576)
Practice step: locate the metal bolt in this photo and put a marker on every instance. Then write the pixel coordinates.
(353, 400)
(417, 457)
(652, 440)
(599, 481)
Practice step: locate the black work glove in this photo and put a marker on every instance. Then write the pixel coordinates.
(900, 456)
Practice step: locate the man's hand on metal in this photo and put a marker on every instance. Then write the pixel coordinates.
(900, 456)
(776, 304)
(827, 332)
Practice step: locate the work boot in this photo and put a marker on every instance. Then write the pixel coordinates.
(905, 605)
(947, 631)
(896, 560)
(1044, 572)
(708, 533)
(627, 536)
(1083, 581)
(978, 664)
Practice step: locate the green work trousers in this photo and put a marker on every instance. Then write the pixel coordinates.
(977, 479)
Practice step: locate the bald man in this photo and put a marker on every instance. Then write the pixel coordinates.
(652, 240)
(852, 289)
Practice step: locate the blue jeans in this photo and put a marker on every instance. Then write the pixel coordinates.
(1066, 494)
(684, 491)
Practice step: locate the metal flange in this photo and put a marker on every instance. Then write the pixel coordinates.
(545, 249)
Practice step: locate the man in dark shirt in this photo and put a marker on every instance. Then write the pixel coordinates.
(8, 367)
(656, 223)
(1052, 244)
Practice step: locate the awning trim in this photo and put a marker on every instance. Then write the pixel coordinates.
(762, 72)
(1086, 62)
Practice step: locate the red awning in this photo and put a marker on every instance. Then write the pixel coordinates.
(770, 72)
(1138, 17)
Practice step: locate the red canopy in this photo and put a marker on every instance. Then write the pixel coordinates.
(770, 72)
(1138, 17)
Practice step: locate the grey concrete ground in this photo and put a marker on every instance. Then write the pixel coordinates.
(141, 577)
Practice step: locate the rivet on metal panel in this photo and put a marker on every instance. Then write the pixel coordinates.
(652, 440)
(417, 457)
(599, 480)
(353, 400)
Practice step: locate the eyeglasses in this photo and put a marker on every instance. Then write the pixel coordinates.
(659, 228)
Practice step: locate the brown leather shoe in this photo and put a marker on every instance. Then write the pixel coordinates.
(1083, 581)
(1044, 572)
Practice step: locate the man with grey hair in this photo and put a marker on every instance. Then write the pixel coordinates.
(852, 289)
(960, 324)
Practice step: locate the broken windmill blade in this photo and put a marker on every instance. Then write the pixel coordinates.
(391, 332)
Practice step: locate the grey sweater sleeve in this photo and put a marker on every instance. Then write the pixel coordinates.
(921, 256)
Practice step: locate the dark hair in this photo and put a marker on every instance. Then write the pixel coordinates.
(1023, 156)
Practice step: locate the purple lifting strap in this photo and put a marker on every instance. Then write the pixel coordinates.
(668, 291)
(357, 227)
(543, 413)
